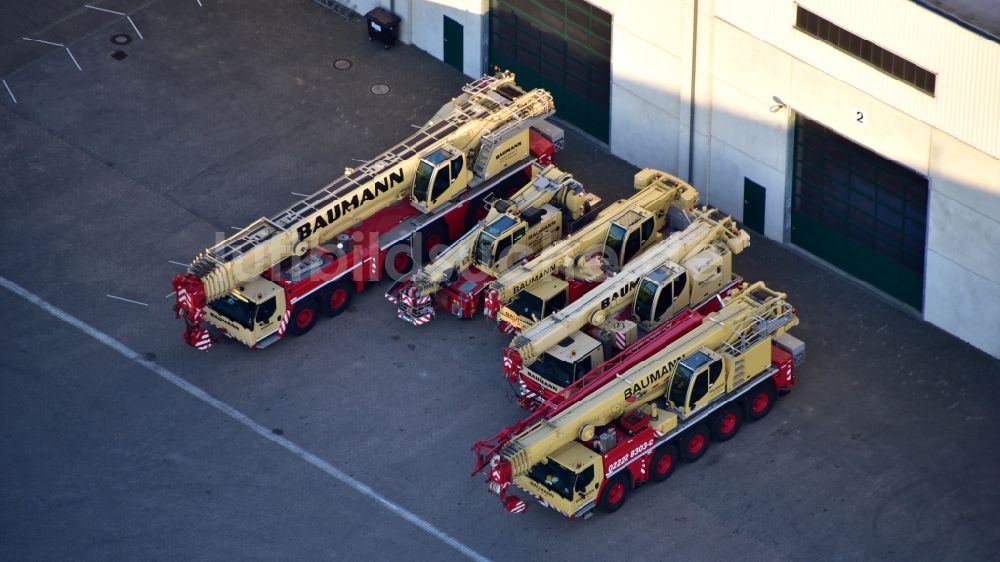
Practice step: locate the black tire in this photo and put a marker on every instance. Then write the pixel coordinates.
(664, 462)
(433, 239)
(398, 261)
(694, 443)
(615, 493)
(726, 422)
(303, 317)
(335, 299)
(759, 401)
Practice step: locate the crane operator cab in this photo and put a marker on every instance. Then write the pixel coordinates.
(698, 380)
(439, 176)
(497, 245)
(660, 295)
(627, 236)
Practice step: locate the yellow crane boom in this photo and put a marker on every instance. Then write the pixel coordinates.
(620, 232)
(707, 229)
(461, 124)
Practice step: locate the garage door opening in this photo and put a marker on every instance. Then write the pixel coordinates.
(859, 211)
(563, 46)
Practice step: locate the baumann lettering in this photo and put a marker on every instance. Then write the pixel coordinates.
(620, 293)
(638, 389)
(507, 150)
(536, 277)
(340, 208)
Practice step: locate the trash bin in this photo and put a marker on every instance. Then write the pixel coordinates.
(383, 25)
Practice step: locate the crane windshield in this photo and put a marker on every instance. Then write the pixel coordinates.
(527, 305)
(236, 309)
(644, 298)
(484, 249)
(422, 181)
(555, 477)
(679, 386)
(613, 244)
(556, 371)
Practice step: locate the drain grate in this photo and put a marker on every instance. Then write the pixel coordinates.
(380, 89)
(342, 64)
(121, 39)
(119, 55)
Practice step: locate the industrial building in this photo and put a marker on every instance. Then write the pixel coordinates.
(864, 133)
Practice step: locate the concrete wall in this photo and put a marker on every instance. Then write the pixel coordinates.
(941, 137)
(422, 26)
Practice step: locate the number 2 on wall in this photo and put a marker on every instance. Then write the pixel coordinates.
(859, 116)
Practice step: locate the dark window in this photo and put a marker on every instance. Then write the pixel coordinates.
(456, 167)
(700, 388)
(584, 479)
(680, 283)
(664, 300)
(714, 370)
(631, 247)
(503, 246)
(266, 309)
(441, 183)
(864, 50)
(582, 368)
(647, 229)
(555, 303)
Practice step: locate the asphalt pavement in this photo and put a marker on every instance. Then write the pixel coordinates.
(117, 441)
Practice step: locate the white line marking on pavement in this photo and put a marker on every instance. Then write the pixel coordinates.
(126, 300)
(104, 10)
(8, 91)
(235, 414)
(177, 263)
(70, 53)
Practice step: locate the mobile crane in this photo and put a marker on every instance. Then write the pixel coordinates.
(537, 215)
(668, 289)
(614, 238)
(273, 277)
(628, 426)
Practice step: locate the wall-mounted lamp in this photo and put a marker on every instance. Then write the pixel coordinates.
(778, 105)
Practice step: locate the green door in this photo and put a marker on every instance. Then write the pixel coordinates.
(859, 211)
(563, 46)
(753, 205)
(453, 43)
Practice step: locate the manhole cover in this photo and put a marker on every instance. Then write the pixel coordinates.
(380, 89)
(342, 64)
(119, 55)
(121, 39)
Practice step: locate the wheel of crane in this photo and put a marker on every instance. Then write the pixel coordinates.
(759, 401)
(615, 493)
(664, 462)
(433, 240)
(335, 299)
(303, 318)
(726, 422)
(398, 261)
(694, 443)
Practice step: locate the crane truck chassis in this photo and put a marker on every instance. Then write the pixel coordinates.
(537, 215)
(274, 277)
(630, 426)
(667, 291)
(621, 233)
